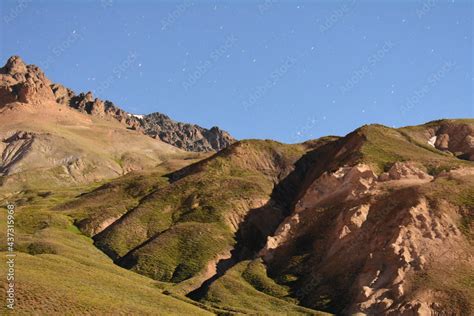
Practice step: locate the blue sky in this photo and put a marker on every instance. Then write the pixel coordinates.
(282, 70)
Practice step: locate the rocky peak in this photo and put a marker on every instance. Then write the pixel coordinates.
(23, 83)
(15, 65)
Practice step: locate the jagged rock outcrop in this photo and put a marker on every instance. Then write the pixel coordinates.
(23, 83)
(455, 138)
(86, 103)
(190, 137)
(186, 136)
(405, 171)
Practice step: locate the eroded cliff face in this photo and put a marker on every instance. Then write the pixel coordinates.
(361, 243)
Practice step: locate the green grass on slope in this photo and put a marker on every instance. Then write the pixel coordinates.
(256, 275)
(191, 214)
(111, 200)
(385, 146)
(199, 199)
(60, 272)
(181, 226)
(246, 288)
(180, 252)
(418, 129)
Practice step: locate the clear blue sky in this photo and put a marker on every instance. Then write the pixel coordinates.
(283, 70)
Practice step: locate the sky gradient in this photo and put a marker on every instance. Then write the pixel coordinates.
(288, 71)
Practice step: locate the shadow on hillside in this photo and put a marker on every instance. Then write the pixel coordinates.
(260, 223)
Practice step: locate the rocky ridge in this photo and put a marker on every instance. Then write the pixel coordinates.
(28, 84)
(183, 135)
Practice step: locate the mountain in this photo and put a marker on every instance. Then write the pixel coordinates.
(185, 136)
(376, 222)
(46, 143)
(27, 83)
(51, 135)
(109, 220)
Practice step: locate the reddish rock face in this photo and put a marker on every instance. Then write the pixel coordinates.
(23, 83)
(455, 138)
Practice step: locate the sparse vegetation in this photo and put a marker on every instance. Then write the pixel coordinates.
(234, 292)
(59, 271)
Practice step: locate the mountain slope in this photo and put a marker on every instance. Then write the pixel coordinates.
(363, 240)
(198, 212)
(59, 271)
(44, 142)
(354, 224)
(56, 144)
(201, 223)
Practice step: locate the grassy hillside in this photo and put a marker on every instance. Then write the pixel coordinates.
(246, 288)
(195, 226)
(384, 146)
(193, 219)
(174, 229)
(170, 232)
(59, 271)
